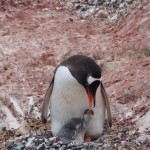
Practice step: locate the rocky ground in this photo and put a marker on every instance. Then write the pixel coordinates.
(108, 11)
(36, 35)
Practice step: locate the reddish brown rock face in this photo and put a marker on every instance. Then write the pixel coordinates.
(33, 40)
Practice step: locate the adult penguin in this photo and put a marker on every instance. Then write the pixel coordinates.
(76, 86)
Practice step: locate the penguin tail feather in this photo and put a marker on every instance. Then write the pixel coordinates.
(106, 102)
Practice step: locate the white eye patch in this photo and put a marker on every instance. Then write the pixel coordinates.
(91, 79)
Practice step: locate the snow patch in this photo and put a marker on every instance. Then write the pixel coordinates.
(36, 113)
(10, 119)
(143, 137)
(144, 122)
(31, 101)
(16, 105)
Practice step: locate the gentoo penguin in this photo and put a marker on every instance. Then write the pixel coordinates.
(76, 85)
(75, 128)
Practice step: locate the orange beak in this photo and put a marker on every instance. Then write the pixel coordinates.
(90, 98)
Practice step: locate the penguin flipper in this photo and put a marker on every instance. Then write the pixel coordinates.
(106, 102)
(46, 102)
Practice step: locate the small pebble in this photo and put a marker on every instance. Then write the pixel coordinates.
(49, 143)
(123, 143)
(41, 147)
(20, 146)
(105, 146)
(102, 14)
(124, 130)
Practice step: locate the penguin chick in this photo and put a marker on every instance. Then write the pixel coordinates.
(75, 128)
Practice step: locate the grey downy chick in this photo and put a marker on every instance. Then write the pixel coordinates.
(75, 128)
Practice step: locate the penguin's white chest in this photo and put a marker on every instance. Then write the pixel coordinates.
(69, 99)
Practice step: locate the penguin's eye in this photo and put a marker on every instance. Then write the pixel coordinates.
(91, 79)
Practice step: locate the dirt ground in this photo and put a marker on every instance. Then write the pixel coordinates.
(36, 36)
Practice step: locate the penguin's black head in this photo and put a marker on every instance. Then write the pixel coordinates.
(86, 72)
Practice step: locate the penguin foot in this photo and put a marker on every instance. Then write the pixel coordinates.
(87, 139)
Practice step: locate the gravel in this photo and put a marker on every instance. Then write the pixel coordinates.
(40, 142)
(109, 11)
(44, 141)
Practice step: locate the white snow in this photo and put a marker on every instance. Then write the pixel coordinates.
(10, 119)
(144, 122)
(16, 105)
(31, 101)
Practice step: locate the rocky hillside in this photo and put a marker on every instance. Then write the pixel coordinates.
(36, 36)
